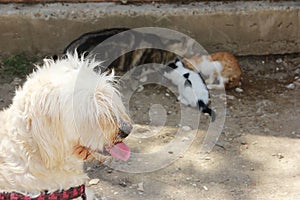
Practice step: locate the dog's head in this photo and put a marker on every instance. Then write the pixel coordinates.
(67, 104)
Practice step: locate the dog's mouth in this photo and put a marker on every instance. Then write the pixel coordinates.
(119, 150)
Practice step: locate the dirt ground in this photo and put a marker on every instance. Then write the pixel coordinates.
(257, 155)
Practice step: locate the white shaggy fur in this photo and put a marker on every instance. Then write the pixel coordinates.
(62, 104)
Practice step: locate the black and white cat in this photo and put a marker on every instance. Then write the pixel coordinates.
(191, 87)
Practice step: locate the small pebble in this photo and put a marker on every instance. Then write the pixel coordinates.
(143, 79)
(185, 139)
(207, 158)
(239, 90)
(123, 183)
(88, 169)
(186, 128)
(279, 60)
(291, 86)
(266, 130)
(94, 181)
(230, 97)
(140, 88)
(140, 187)
(278, 155)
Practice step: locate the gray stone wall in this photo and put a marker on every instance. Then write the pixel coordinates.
(243, 28)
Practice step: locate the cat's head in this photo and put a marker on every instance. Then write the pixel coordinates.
(174, 71)
(174, 65)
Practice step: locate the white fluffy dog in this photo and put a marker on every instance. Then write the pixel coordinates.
(64, 114)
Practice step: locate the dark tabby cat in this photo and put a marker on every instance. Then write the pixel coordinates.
(88, 41)
(123, 49)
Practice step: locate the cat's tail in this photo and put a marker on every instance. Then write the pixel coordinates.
(205, 109)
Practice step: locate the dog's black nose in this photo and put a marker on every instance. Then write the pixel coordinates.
(125, 129)
(122, 134)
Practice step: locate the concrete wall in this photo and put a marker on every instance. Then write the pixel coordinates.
(242, 28)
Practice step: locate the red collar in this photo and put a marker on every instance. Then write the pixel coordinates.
(71, 193)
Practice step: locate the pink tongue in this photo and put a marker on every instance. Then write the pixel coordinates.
(120, 151)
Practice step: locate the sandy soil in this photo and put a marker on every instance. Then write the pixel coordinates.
(257, 155)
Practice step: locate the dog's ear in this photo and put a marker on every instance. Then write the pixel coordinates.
(44, 124)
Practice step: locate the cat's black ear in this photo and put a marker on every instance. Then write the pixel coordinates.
(186, 75)
(177, 59)
(172, 65)
(187, 83)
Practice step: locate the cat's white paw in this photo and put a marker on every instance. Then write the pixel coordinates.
(214, 86)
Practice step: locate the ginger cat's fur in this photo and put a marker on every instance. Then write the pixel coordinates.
(222, 66)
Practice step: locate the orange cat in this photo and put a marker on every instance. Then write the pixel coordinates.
(222, 66)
